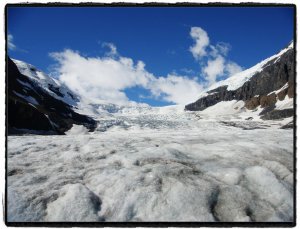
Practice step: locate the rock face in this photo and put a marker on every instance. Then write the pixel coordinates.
(252, 103)
(31, 109)
(264, 88)
(267, 100)
(278, 114)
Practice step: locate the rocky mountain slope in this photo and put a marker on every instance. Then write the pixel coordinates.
(37, 104)
(263, 85)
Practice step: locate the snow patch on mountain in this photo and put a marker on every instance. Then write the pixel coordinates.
(225, 108)
(287, 103)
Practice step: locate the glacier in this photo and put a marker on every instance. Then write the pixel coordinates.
(156, 164)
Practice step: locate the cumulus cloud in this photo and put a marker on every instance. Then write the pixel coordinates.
(106, 78)
(213, 69)
(99, 78)
(215, 64)
(10, 44)
(176, 89)
(232, 68)
(201, 40)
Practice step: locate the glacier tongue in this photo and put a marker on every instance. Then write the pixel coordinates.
(155, 164)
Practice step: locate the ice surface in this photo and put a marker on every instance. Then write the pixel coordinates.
(77, 129)
(76, 203)
(155, 164)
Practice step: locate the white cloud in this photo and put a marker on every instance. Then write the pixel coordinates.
(99, 78)
(213, 69)
(216, 64)
(221, 48)
(10, 44)
(113, 49)
(201, 40)
(232, 68)
(106, 78)
(176, 89)
(187, 71)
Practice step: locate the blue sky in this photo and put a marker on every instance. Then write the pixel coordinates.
(160, 37)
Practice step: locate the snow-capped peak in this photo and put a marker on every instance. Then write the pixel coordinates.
(53, 86)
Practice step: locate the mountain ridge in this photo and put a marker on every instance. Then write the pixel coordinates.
(263, 85)
(36, 109)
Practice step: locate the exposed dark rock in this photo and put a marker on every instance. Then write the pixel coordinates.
(281, 95)
(278, 114)
(55, 90)
(244, 125)
(267, 109)
(291, 91)
(215, 96)
(252, 103)
(290, 125)
(30, 108)
(267, 100)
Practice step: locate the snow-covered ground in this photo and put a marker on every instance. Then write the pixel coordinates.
(156, 164)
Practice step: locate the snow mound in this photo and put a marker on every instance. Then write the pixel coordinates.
(225, 108)
(77, 129)
(232, 204)
(270, 192)
(75, 203)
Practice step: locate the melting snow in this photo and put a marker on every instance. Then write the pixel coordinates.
(156, 164)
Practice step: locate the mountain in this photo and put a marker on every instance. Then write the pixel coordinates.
(37, 103)
(268, 85)
(40, 104)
